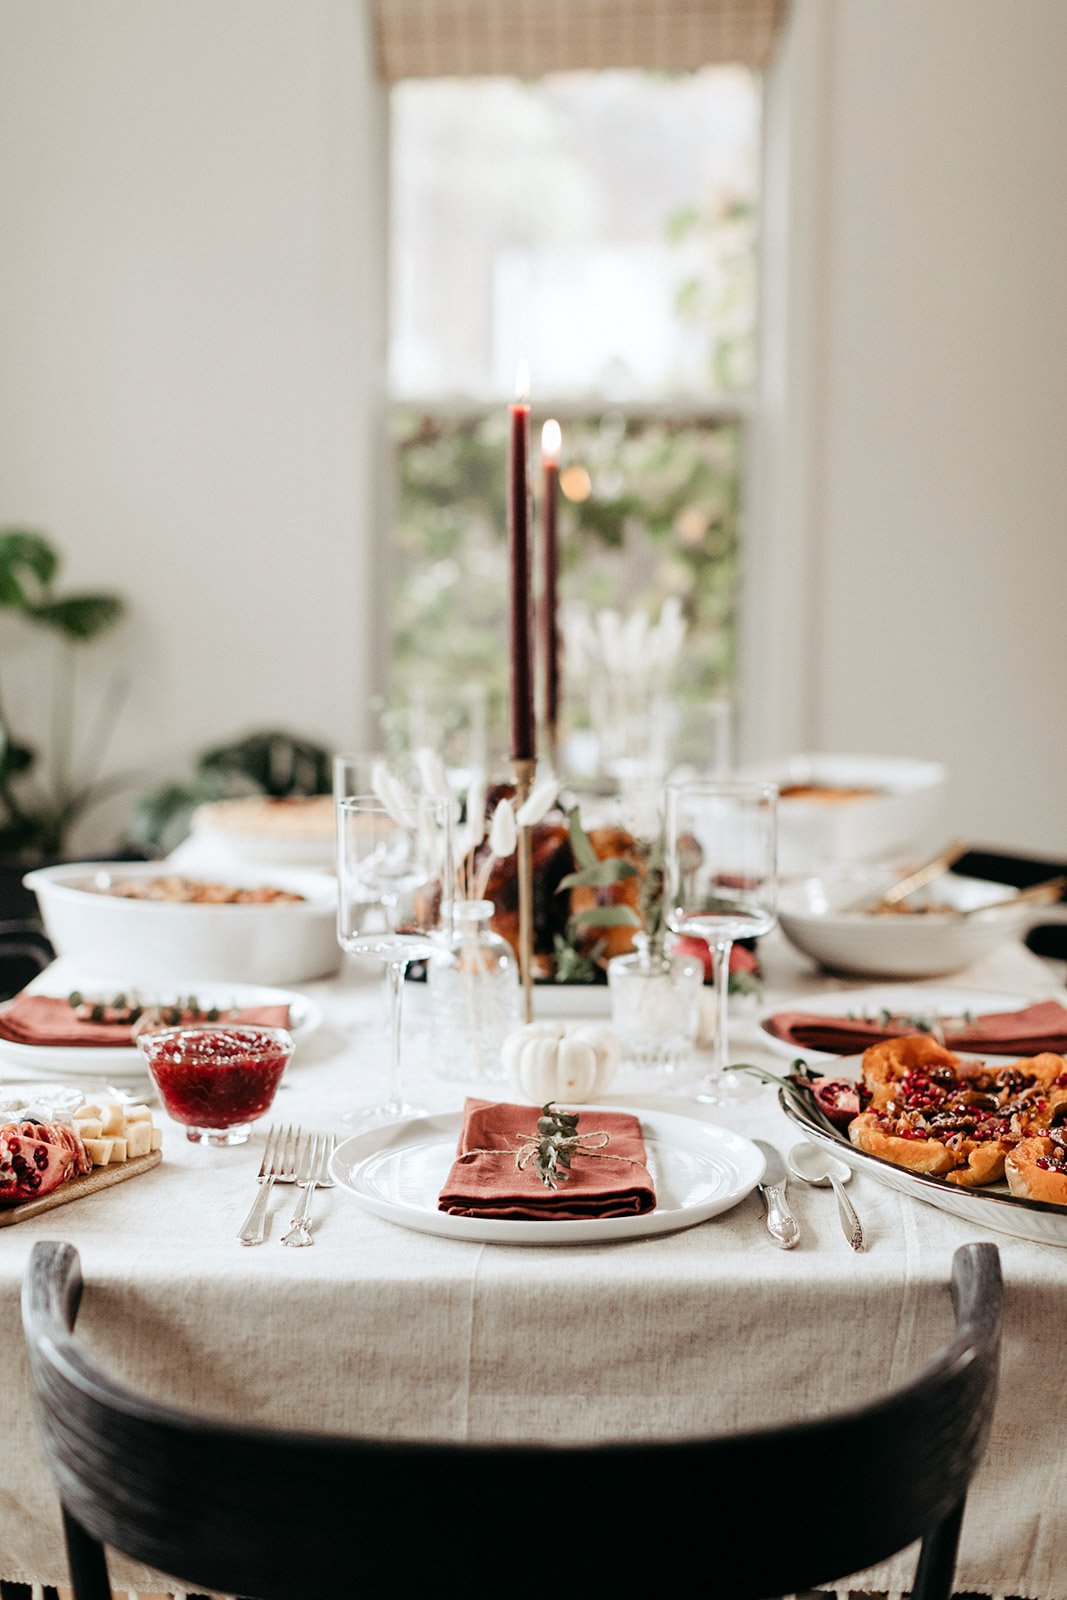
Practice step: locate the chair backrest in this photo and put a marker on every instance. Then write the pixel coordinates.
(279, 1515)
(24, 952)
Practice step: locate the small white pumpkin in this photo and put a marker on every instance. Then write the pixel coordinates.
(552, 1061)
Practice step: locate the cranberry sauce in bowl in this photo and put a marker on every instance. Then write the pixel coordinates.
(216, 1078)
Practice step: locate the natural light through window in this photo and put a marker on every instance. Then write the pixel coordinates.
(601, 226)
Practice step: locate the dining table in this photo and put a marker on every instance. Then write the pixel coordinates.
(384, 1331)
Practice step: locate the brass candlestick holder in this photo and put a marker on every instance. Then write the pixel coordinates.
(523, 769)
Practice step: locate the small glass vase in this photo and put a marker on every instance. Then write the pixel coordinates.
(474, 997)
(655, 1007)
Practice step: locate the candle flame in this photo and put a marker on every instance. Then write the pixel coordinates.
(551, 440)
(522, 380)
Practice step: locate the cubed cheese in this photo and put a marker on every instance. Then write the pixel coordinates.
(87, 1111)
(138, 1114)
(99, 1151)
(114, 1121)
(157, 1137)
(118, 1150)
(139, 1139)
(90, 1127)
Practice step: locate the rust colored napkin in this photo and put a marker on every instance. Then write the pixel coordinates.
(615, 1184)
(999, 1033)
(40, 1019)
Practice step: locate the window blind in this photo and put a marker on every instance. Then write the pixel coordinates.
(474, 38)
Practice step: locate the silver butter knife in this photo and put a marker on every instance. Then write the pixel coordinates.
(781, 1223)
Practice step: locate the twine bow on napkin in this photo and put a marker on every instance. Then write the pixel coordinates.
(555, 1145)
(512, 1161)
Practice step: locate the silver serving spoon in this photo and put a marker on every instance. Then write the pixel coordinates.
(812, 1165)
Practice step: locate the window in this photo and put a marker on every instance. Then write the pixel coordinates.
(601, 225)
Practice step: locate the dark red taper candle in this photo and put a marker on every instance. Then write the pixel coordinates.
(521, 633)
(550, 447)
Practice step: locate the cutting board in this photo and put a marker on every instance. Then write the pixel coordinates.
(74, 1188)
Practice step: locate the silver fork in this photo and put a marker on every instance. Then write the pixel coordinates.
(278, 1166)
(314, 1174)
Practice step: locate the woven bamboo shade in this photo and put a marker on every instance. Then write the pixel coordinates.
(472, 38)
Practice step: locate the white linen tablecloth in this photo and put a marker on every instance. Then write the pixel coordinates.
(383, 1331)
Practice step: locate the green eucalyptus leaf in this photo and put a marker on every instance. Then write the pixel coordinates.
(613, 869)
(608, 917)
(584, 853)
(79, 616)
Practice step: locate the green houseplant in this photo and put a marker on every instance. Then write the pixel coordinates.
(38, 807)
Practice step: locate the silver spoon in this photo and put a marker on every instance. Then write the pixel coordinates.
(812, 1165)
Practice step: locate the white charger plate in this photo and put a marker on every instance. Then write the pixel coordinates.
(992, 1207)
(910, 1000)
(398, 1171)
(85, 1061)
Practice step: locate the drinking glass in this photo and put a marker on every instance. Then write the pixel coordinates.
(394, 902)
(722, 883)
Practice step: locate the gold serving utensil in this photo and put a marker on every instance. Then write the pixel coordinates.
(1047, 892)
(917, 879)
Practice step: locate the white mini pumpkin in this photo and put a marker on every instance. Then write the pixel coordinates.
(553, 1061)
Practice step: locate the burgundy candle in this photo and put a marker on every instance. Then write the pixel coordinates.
(551, 440)
(521, 687)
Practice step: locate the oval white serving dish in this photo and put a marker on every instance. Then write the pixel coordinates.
(146, 941)
(929, 944)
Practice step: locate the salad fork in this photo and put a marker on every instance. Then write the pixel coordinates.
(278, 1166)
(314, 1174)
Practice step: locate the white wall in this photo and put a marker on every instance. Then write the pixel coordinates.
(191, 350)
(915, 442)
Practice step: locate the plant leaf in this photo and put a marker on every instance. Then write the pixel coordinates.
(584, 853)
(79, 616)
(608, 917)
(611, 870)
(23, 552)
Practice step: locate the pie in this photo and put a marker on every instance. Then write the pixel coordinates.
(960, 1120)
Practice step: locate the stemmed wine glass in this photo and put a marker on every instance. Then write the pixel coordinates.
(394, 902)
(721, 882)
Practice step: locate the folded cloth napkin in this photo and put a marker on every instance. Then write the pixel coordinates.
(999, 1033)
(484, 1181)
(40, 1019)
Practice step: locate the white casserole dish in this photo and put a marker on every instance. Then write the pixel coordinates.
(146, 941)
(815, 835)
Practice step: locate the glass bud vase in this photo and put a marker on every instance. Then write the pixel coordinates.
(655, 1006)
(474, 996)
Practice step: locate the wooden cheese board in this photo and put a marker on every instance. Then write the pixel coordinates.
(74, 1188)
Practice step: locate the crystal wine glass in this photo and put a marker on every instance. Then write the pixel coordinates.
(722, 882)
(394, 902)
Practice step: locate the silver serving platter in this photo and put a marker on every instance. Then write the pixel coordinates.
(991, 1207)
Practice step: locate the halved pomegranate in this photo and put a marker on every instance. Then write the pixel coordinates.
(36, 1157)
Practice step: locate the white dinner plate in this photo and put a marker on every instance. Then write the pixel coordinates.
(398, 1171)
(990, 1207)
(85, 1061)
(921, 1001)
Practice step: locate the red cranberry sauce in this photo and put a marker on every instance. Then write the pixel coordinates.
(214, 1078)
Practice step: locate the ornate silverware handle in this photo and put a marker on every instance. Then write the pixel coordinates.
(253, 1229)
(781, 1223)
(850, 1223)
(300, 1221)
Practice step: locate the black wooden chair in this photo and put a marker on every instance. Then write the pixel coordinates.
(24, 952)
(288, 1516)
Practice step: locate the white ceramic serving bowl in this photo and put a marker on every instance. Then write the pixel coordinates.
(148, 941)
(815, 835)
(927, 945)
